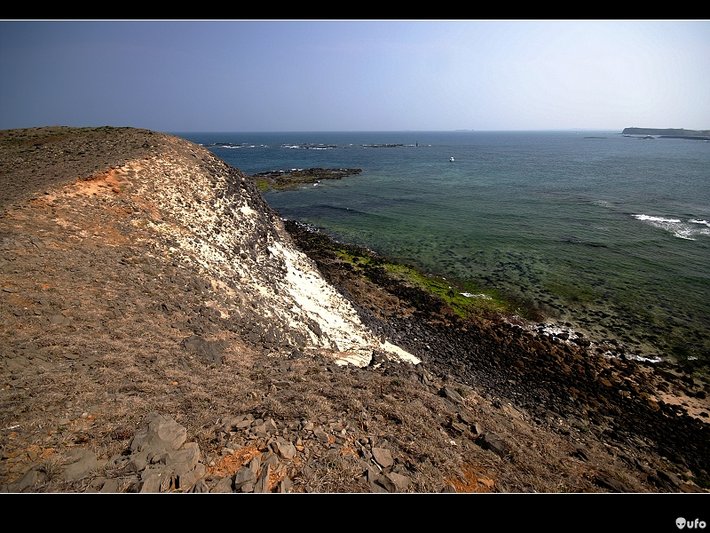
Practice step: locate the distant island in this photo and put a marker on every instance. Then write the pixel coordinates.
(670, 133)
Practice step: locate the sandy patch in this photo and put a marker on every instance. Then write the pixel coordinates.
(98, 184)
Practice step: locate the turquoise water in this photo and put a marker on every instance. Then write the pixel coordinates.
(611, 234)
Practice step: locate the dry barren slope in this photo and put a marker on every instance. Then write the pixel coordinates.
(140, 274)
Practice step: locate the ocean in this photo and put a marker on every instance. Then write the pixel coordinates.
(607, 233)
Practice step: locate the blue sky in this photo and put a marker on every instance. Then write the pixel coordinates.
(356, 75)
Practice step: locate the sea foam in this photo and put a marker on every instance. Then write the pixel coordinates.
(683, 230)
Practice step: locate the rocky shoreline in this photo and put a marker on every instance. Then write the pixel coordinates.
(565, 384)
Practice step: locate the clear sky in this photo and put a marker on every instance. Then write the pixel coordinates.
(356, 75)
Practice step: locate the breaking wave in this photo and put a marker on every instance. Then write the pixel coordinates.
(688, 230)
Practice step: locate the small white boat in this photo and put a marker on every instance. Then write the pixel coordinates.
(451, 159)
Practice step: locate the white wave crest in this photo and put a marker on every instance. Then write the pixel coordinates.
(683, 230)
(701, 222)
(471, 295)
(657, 220)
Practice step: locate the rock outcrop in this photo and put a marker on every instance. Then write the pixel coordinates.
(296, 177)
(211, 218)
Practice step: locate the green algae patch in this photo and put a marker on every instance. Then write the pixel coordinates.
(466, 300)
(262, 184)
(285, 180)
(429, 292)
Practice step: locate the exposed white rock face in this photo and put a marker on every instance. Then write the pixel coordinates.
(210, 218)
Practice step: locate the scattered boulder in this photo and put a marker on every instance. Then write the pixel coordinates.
(199, 488)
(262, 484)
(163, 459)
(110, 486)
(156, 479)
(580, 454)
(33, 477)
(285, 449)
(400, 482)
(390, 482)
(188, 477)
(254, 465)
(285, 485)
(80, 464)
(466, 418)
(244, 475)
(458, 427)
(186, 458)
(383, 457)
(161, 434)
(670, 479)
(493, 443)
(223, 485)
(321, 435)
(450, 394)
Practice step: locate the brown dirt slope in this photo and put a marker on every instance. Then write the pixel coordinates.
(114, 305)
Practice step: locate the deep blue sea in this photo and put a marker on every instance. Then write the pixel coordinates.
(607, 232)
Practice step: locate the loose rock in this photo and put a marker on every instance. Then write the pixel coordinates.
(383, 457)
(81, 463)
(489, 441)
(161, 434)
(450, 394)
(223, 485)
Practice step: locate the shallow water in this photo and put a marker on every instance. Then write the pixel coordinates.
(611, 234)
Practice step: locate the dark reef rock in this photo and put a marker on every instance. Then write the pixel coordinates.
(292, 178)
(387, 145)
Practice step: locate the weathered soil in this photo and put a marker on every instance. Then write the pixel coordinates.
(104, 322)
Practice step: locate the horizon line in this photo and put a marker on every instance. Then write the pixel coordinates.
(458, 130)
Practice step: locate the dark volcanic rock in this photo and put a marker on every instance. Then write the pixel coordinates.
(606, 481)
(288, 179)
(451, 394)
(489, 441)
